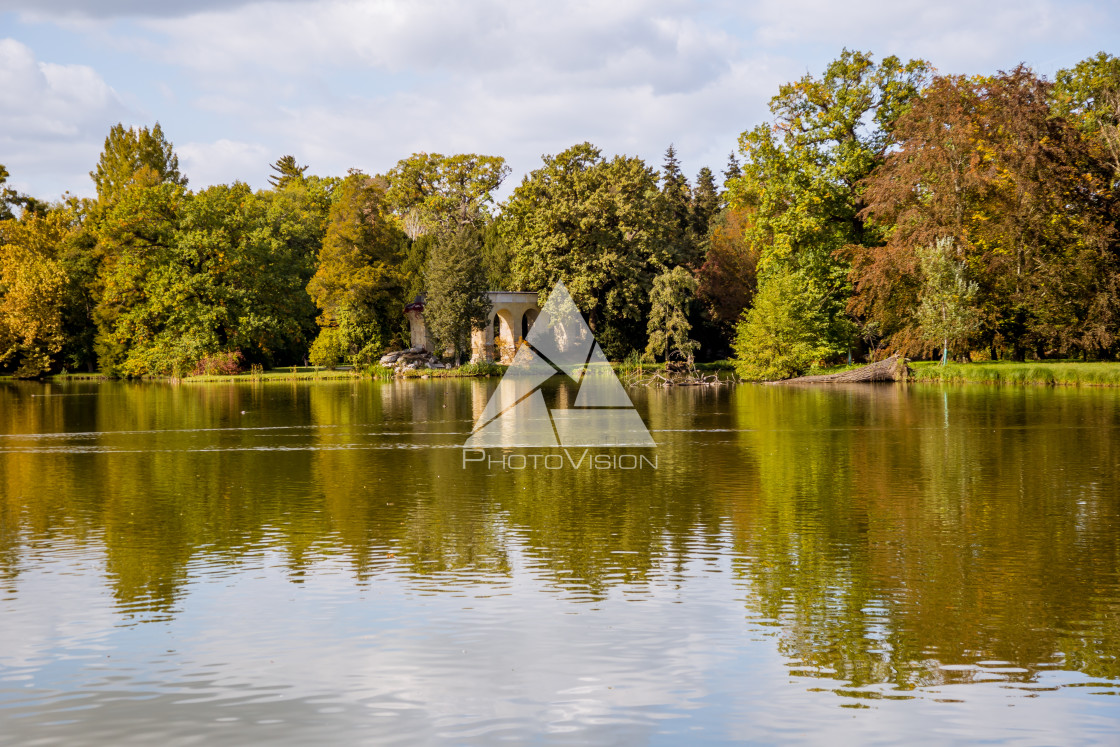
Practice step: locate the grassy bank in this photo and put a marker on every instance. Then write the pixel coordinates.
(313, 373)
(1036, 373)
(309, 373)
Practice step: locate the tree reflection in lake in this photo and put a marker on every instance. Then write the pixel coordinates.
(894, 539)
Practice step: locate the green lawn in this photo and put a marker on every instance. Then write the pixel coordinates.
(1052, 373)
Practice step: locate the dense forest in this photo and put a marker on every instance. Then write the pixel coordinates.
(883, 208)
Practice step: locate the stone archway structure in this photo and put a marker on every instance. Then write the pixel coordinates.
(511, 315)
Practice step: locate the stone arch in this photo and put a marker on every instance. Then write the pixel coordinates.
(505, 342)
(527, 320)
(505, 327)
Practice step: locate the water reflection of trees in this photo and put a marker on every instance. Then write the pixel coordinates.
(882, 543)
(885, 556)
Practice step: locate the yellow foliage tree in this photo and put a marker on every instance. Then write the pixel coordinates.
(32, 284)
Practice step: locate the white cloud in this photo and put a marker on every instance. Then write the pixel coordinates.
(53, 119)
(343, 83)
(957, 36)
(223, 161)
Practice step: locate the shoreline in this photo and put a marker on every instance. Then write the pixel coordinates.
(1102, 374)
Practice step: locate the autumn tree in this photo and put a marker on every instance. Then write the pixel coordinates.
(127, 152)
(596, 225)
(32, 285)
(358, 286)
(455, 302)
(1025, 199)
(728, 277)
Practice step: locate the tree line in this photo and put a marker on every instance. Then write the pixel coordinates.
(882, 208)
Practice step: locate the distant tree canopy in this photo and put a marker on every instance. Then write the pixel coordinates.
(880, 209)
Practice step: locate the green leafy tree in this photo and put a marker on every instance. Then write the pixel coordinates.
(945, 311)
(431, 192)
(6, 195)
(185, 277)
(668, 329)
(286, 171)
(596, 225)
(359, 285)
(329, 348)
(456, 302)
(802, 174)
(786, 331)
(1089, 96)
(127, 152)
(136, 237)
(80, 259)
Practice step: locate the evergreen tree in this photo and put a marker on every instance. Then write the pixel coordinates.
(733, 170)
(677, 197)
(456, 302)
(705, 204)
(287, 171)
(5, 195)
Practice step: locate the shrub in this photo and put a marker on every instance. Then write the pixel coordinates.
(327, 350)
(226, 363)
(786, 331)
(480, 369)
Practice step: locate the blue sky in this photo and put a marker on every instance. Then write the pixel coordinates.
(363, 83)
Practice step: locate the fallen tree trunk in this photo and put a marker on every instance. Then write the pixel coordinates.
(889, 369)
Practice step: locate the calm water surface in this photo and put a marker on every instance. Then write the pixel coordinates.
(311, 562)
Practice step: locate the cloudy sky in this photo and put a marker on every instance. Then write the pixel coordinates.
(363, 83)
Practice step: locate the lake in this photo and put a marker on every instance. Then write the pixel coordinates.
(298, 562)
